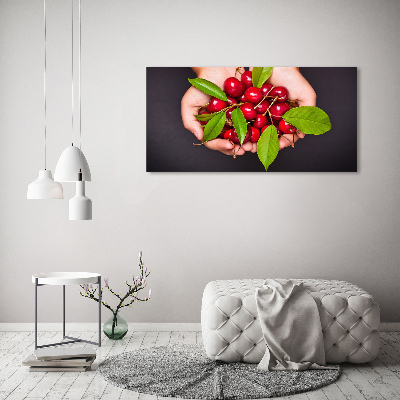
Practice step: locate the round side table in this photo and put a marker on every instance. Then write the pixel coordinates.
(62, 279)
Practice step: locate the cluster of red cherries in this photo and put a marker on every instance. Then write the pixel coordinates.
(261, 107)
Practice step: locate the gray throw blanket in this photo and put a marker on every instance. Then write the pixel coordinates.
(291, 327)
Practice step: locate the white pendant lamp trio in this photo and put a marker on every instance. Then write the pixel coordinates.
(72, 165)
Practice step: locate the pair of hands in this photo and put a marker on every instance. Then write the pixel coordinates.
(290, 77)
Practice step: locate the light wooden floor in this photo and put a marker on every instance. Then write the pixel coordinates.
(379, 379)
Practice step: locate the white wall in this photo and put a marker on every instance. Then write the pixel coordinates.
(192, 228)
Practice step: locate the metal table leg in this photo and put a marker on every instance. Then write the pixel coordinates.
(36, 286)
(100, 297)
(63, 311)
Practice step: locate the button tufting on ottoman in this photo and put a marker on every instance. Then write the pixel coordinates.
(231, 330)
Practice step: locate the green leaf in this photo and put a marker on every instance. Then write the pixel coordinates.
(208, 88)
(205, 117)
(260, 75)
(268, 146)
(239, 123)
(308, 119)
(214, 126)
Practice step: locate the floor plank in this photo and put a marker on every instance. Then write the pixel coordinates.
(332, 392)
(387, 376)
(149, 340)
(348, 389)
(199, 338)
(163, 338)
(316, 395)
(183, 338)
(98, 386)
(49, 389)
(135, 341)
(129, 395)
(12, 363)
(361, 383)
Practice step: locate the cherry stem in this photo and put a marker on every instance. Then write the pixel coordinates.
(224, 109)
(264, 97)
(270, 116)
(238, 70)
(227, 108)
(235, 152)
(273, 101)
(233, 144)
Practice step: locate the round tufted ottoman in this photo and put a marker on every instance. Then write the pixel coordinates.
(231, 330)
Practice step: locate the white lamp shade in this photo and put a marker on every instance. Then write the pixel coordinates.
(80, 206)
(71, 161)
(44, 187)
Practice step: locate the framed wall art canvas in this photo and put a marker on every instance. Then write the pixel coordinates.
(251, 119)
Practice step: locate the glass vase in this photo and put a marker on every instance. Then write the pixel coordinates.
(115, 327)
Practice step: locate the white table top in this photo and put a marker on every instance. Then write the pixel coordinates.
(65, 278)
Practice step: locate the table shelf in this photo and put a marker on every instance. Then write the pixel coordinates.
(65, 278)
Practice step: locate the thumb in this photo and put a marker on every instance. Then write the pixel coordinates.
(308, 97)
(189, 120)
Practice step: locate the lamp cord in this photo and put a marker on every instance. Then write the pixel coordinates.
(79, 84)
(72, 68)
(44, 83)
(79, 88)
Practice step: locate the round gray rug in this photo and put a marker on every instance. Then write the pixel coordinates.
(185, 371)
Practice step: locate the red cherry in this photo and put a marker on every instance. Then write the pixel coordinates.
(229, 113)
(286, 127)
(247, 79)
(231, 100)
(242, 98)
(253, 95)
(280, 92)
(203, 122)
(231, 135)
(263, 107)
(248, 110)
(264, 128)
(233, 87)
(255, 134)
(260, 121)
(278, 109)
(216, 105)
(266, 88)
(248, 135)
(224, 129)
(278, 131)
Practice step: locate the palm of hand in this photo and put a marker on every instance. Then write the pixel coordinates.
(194, 98)
(299, 89)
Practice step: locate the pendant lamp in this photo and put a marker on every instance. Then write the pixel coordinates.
(72, 165)
(80, 206)
(44, 186)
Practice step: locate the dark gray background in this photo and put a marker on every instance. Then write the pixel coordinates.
(170, 145)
